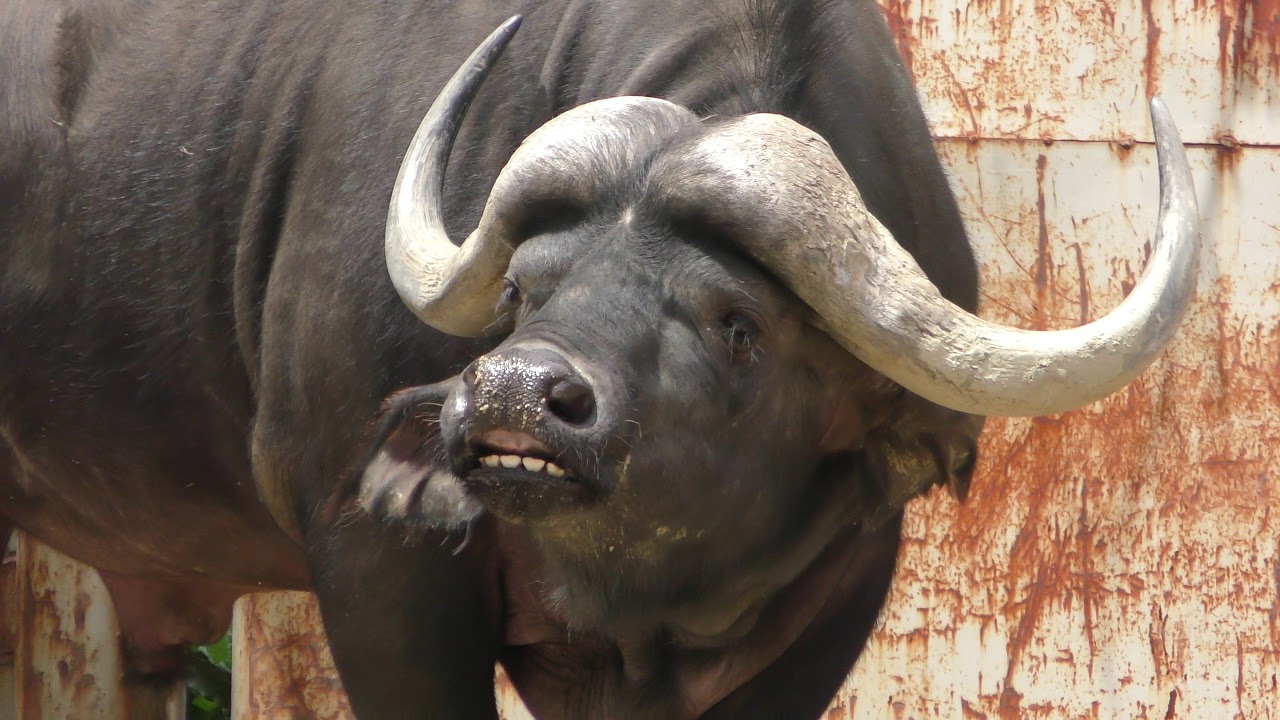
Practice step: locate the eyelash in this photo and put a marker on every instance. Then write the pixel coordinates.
(510, 293)
(741, 333)
(509, 301)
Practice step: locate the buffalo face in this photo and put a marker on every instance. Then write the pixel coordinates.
(662, 412)
(718, 358)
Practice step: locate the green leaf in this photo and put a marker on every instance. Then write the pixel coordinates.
(209, 682)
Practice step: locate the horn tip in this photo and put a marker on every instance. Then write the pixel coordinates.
(1166, 131)
(511, 24)
(492, 47)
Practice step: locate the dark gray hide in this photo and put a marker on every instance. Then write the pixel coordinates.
(199, 340)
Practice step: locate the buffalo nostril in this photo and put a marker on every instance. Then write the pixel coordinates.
(572, 401)
(469, 375)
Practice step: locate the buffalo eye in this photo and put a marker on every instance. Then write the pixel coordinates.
(741, 333)
(510, 300)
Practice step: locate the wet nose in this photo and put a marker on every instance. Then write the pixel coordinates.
(523, 387)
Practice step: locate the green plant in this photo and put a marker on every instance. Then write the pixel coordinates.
(209, 682)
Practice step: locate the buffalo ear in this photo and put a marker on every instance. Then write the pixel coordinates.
(933, 446)
(407, 479)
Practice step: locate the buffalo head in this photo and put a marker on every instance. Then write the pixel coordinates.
(711, 337)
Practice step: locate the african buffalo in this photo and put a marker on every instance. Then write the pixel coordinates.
(718, 300)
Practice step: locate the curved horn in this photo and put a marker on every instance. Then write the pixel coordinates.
(819, 238)
(566, 162)
(420, 255)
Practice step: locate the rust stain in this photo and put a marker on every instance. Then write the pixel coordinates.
(1044, 259)
(1149, 64)
(1226, 155)
(1264, 43)
(1156, 637)
(1240, 56)
(1240, 674)
(1108, 14)
(1124, 147)
(1010, 704)
(54, 663)
(1083, 279)
(1088, 577)
(1227, 67)
(1274, 612)
(1048, 451)
(290, 670)
(959, 93)
(8, 602)
(1114, 540)
(897, 14)
(1248, 39)
(1085, 58)
(80, 609)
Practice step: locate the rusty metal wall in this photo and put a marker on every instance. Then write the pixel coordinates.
(1119, 561)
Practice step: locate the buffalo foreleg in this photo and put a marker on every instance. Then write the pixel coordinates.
(413, 627)
(404, 572)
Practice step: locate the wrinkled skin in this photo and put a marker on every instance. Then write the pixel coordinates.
(208, 383)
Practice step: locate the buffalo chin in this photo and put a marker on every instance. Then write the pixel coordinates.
(523, 497)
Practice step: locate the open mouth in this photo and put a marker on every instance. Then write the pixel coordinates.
(507, 452)
(523, 480)
(530, 464)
